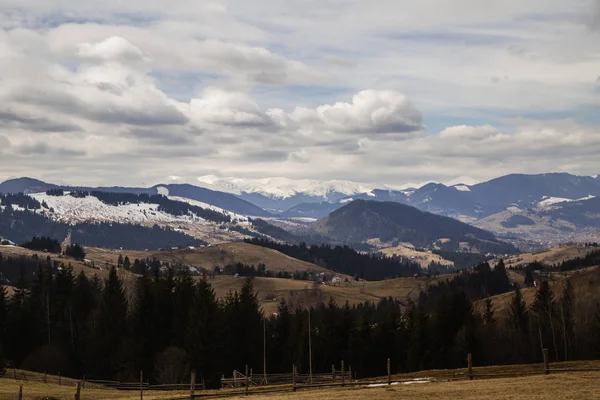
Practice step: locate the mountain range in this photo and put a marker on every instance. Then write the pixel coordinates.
(544, 208)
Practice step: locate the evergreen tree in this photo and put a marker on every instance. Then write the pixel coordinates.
(3, 312)
(566, 306)
(544, 310)
(490, 323)
(127, 263)
(518, 323)
(596, 331)
(111, 329)
(204, 334)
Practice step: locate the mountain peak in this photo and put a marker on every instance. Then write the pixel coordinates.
(24, 185)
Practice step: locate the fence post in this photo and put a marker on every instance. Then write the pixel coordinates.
(294, 377)
(343, 374)
(192, 385)
(141, 385)
(20, 392)
(470, 366)
(389, 369)
(45, 378)
(59, 380)
(15, 373)
(78, 391)
(333, 372)
(247, 380)
(546, 362)
(350, 372)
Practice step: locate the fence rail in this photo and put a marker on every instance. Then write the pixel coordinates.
(243, 385)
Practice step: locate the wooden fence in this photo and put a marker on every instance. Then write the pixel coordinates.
(273, 383)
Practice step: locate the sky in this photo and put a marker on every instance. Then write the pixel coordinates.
(143, 92)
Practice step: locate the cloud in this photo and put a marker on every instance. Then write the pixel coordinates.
(337, 90)
(4, 143)
(13, 120)
(472, 133)
(42, 148)
(112, 49)
(370, 112)
(220, 107)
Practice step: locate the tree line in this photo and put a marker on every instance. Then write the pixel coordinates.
(345, 260)
(170, 324)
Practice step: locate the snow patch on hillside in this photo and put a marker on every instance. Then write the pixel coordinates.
(548, 201)
(90, 209)
(234, 217)
(462, 188)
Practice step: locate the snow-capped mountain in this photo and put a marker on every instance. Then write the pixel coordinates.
(283, 188)
(279, 194)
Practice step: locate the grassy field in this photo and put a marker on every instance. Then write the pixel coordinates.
(305, 293)
(424, 258)
(444, 384)
(209, 257)
(270, 290)
(552, 256)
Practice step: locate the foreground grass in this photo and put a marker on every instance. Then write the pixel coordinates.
(9, 390)
(575, 385)
(448, 384)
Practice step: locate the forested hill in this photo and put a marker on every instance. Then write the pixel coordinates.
(345, 260)
(222, 200)
(362, 220)
(21, 226)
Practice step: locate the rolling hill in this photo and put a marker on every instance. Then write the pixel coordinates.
(360, 221)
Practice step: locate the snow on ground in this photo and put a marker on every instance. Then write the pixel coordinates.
(411, 382)
(549, 201)
(283, 188)
(462, 188)
(238, 217)
(89, 209)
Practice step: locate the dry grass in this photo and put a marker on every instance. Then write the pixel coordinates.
(305, 293)
(551, 256)
(209, 257)
(424, 258)
(557, 385)
(36, 390)
(271, 290)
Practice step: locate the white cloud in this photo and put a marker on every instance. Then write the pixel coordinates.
(112, 49)
(221, 107)
(472, 133)
(370, 112)
(335, 90)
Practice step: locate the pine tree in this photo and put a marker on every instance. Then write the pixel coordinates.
(127, 263)
(489, 318)
(120, 261)
(543, 309)
(596, 331)
(567, 318)
(518, 324)
(204, 334)
(183, 301)
(111, 329)
(3, 313)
